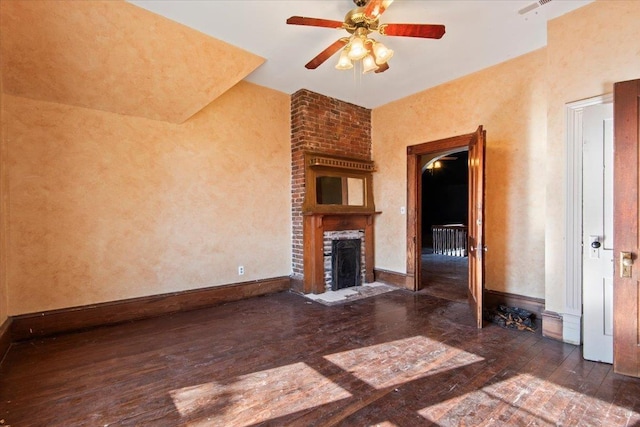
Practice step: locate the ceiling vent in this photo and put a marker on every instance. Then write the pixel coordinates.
(532, 6)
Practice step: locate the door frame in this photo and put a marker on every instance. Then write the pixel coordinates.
(572, 312)
(414, 199)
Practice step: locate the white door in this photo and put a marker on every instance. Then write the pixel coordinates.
(597, 233)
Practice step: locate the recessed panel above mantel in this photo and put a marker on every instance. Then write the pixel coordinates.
(338, 184)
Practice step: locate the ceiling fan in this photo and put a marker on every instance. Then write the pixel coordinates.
(360, 22)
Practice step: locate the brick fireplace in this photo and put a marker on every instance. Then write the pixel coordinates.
(327, 126)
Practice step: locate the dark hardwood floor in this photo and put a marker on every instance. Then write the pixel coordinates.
(444, 276)
(398, 359)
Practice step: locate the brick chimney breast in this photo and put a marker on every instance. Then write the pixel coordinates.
(328, 126)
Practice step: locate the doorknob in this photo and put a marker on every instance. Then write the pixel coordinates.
(626, 261)
(595, 245)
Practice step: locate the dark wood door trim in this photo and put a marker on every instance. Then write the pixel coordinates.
(414, 199)
(5, 337)
(476, 224)
(626, 294)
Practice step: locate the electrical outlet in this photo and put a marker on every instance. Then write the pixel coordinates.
(240, 270)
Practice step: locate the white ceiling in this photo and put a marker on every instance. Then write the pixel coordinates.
(479, 33)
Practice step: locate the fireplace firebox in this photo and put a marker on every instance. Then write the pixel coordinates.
(345, 264)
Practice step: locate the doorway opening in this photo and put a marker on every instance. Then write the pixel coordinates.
(573, 306)
(474, 143)
(588, 313)
(444, 220)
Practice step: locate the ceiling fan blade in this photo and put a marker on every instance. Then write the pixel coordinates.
(314, 22)
(382, 68)
(326, 54)
(427, 31)
(375, 8)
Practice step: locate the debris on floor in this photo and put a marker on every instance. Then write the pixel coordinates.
(512, 318)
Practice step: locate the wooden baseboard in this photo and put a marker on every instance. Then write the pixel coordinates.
(5, 337)
(36, 325)
(495, 298)
(552, 325)
(390, 278)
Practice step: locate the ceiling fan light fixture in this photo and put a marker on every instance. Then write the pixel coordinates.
(382, 53)
(369, 64)
(357, 50)
(344, 63)
(359, 23)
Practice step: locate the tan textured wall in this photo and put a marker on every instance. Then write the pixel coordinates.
(105, 207)
(589, 49)
(509, 100)
(3, 213)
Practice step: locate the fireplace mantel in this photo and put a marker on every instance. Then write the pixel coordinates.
(314, 226)
(338, 196)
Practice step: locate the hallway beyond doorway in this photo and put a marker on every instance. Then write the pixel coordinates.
(444, 276)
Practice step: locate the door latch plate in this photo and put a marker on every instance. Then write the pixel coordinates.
(626, 261)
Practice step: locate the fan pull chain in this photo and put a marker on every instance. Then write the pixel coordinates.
(357, 81)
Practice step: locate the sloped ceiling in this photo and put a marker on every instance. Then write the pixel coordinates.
(114, 56)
